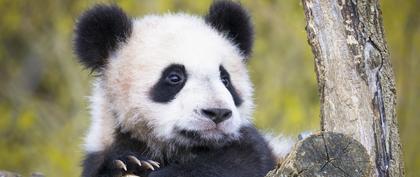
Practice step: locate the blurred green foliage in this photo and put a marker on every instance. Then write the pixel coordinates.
(43, 105)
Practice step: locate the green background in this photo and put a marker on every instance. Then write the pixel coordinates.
(43, 103)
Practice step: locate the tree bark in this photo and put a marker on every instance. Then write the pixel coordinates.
(326, 154)
(355, 79)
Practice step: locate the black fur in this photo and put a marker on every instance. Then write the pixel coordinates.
(230, 18)
(236, 98)
(102, 164)
(247, 157)
(92, 164)
(164, 91)
(98, 33)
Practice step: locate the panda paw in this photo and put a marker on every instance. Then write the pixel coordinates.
(135, 162)
(132, 165)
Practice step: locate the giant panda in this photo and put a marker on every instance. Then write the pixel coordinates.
(172, 96)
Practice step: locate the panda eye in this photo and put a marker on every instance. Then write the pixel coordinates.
(224, 76)
(225, 81)
(174, 78)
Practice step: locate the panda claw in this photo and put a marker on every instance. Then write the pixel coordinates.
(148, 165)
(135, 160)
(120, 165)
(156, 164)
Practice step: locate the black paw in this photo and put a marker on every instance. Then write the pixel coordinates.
(130, 165)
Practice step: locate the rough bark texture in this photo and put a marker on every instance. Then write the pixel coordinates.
(326, 154)
(355, 78)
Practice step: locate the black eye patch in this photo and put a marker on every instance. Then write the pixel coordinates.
(172, 80)
(225, 78)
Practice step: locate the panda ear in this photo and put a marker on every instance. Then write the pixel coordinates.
(230, 18)
(98, 33)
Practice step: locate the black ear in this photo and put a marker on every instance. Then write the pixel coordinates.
(230, 18)
(98, 33)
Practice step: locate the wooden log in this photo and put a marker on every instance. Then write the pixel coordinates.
(325, 154)
(355, 78)
(11, 174)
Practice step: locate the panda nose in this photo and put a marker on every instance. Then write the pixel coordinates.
(217, 115)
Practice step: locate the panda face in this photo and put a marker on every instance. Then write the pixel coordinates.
(172, 79)
(181, 81)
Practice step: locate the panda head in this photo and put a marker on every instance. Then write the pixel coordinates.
(173, 78)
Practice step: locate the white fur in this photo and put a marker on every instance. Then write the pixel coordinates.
(280, 145)
(102, 125)
(155, 43)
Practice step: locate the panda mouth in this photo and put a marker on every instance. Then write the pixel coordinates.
(211, 138)
(201, 135)
(190, 134)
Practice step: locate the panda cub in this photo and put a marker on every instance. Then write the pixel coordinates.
(172, 96)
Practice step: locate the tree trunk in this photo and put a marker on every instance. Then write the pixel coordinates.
(355, 79)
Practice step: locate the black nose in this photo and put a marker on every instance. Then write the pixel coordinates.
(217, 115)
